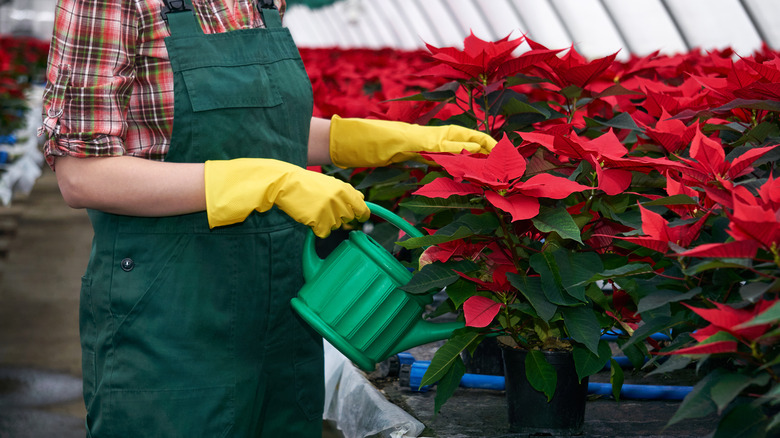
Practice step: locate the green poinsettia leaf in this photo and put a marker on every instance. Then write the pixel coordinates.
(628, 270)
(426, 206)
(743, 421)
(758, 134)
(545, 264)
(698, 402)
(466, 226)
(768, 316)
(515, 106)
(443, 93)
(660, 297)
(557, 220)
(730, 385)
(460, 291)
(674, 363)
(389, 192)
(383, 175)
(587, 363)
(772, 396)
(448, 354)
(671, 200)
(651, 326)
(579, 267)
(437, 275)
(621, 121)
(582, 326)
(540, 374)
(774, 424)
(435, 239)
(754, 290)
(565, 274)
(710, 264)
(615, 378)
(531, 288)
(449, 383)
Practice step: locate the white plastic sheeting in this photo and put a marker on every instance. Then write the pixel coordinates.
(357, 407)
(595, 27)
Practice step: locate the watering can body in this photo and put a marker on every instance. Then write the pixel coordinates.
(353, 299)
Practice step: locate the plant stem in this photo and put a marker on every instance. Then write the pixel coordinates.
(509, 242)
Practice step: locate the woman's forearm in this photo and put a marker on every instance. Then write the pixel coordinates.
(319, 142)
(131, 186)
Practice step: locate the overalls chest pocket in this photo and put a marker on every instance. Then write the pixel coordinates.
(236, 86)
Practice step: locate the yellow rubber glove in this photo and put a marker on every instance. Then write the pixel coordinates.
(234, 188)
(376, 143)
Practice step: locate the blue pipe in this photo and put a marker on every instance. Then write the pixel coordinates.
(628, 391)
(642, 392)
(481, 381)
(654, 336)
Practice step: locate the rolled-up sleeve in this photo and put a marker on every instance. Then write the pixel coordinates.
(89, 78)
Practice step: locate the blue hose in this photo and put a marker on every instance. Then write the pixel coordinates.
(628, 391)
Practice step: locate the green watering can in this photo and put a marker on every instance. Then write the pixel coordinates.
(353, 299)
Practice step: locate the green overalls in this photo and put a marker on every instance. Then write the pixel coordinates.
(186, 331)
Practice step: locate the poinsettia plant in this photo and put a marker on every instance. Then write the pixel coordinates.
(624, 197)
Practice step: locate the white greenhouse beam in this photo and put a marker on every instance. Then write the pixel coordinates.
(470, 19)
(716, 24)
(594, 37)
(503, 18)
(544, 25)
(646, 26)
(300, 18)
(374, 19)
(764, 14)
(421, 29)
(596, 28)
(394, 13)
(446, 29)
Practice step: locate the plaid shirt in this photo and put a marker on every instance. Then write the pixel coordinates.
(110, 84)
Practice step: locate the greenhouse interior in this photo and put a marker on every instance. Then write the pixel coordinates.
(568, 221)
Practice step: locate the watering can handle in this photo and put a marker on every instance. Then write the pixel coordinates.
(312, 262)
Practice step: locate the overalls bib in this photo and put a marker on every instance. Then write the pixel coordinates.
(186, 331)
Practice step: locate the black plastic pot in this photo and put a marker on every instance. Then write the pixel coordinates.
(529, 411)
(486, 358)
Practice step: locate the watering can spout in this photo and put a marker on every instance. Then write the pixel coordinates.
(424, 332)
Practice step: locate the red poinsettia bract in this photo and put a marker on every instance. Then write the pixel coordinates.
(497, 177)
(754, 224)
(728, 328)
(485, 60)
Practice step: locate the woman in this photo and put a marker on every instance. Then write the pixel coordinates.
(184, 128)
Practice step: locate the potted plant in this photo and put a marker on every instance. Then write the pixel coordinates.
(513, 234)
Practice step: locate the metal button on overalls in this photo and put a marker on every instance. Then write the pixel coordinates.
(201, 340)
(127, 264)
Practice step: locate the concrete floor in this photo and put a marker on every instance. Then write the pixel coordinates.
(46, 248)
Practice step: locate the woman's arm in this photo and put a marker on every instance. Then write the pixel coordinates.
(139, 187)
(131, 186)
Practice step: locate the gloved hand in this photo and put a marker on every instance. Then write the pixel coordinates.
(234, 188)
(376, 143)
